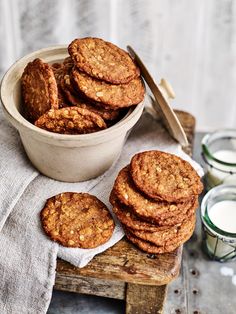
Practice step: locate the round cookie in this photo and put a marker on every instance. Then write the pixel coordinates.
(71, 120)
(77, 220)
(152, 248)
(106, 114)
(128, 217)
(39, 89)
(163, 176)
(147, 208)
(166, 235)
(103, 60)
(76, 100)
(114, 96)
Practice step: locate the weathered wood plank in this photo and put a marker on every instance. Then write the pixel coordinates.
(145, 299)
(89, 285)
(125, 262)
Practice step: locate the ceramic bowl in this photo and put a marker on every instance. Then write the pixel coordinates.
(69, 158)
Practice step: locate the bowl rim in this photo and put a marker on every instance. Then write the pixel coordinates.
(20, 121)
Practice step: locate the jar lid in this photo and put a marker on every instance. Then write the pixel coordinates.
(162, 93)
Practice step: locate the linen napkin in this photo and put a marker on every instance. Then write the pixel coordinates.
(28, 257)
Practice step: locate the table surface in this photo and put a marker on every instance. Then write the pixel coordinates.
(200, 288)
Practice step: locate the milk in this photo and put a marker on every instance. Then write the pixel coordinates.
(228, 156)
(218, 176)
(223, 216)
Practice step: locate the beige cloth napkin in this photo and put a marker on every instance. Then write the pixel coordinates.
(28, 257)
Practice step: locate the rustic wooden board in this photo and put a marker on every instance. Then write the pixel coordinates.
(145, 299)
(124, 262)
(88, 285)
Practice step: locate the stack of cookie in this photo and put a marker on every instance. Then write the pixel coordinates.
(155, 199)
(91, 87)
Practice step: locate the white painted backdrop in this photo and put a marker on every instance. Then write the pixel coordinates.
(192, 43)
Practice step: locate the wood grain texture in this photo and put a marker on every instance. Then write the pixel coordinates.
(127, 263)
(89, 285)
(145, 299)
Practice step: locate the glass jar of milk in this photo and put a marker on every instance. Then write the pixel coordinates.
(219, 153)
(218, 214)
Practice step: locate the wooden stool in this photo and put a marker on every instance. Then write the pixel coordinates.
(123, 271)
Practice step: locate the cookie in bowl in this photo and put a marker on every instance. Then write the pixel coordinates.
(70, 154)
(103, 87)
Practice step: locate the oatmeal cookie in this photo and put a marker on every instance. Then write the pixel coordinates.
(149, 247)
(71, 120)
(76, 100)
(167, 247)
(115, 96)
(106, 114)
(128, 218)
(103, 60)
(166, 235)
(164, 176)
(56, 65)
(131, 220)
(155, 211)
(77, 220)
(39, 89)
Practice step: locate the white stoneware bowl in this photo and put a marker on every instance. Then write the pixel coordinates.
(69, 158)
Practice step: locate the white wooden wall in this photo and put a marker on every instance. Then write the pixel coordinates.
(192, 43)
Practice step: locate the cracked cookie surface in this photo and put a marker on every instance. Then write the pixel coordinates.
(76, 100)
(160, 212)
(130, 219)
(164, 176)
(71, 120)
(77, 220)
(39, 89)
(150, 247)
(114, 96)
(103, 60)
(167, 235)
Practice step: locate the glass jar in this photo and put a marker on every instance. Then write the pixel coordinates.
(218, 215)
(219, 153)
